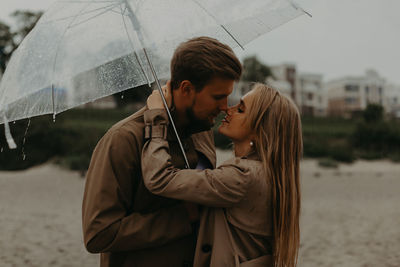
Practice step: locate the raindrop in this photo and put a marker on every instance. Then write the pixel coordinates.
(122, 96)
(1, 150)
(14, 122)
(54, 117)
(26, 130)
(24, 140)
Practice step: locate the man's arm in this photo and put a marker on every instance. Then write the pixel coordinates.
(109, 192)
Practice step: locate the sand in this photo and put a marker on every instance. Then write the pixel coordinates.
(40, 223)
(350, 216)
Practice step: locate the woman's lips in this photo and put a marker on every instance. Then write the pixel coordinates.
(225, 120)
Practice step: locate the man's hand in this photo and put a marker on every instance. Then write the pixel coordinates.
(154, 101)
(193, 211)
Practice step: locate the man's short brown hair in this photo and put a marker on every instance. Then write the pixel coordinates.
(201, 59)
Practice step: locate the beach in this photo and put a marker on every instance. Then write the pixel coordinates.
(350, 216)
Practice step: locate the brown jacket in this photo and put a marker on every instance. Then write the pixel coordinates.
(237, 228)
(120, 217)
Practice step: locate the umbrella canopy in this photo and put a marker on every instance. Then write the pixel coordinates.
(82, 50)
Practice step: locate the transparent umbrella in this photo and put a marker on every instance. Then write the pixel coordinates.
(82, 50)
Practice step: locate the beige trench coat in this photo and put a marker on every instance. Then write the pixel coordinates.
(121, 218)
(236, 229)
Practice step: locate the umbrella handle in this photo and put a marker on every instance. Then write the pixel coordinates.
(166, 108)
(136, 26)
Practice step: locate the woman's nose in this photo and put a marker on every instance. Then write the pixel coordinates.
(229, 111)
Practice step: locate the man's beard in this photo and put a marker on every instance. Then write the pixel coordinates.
(195, 124)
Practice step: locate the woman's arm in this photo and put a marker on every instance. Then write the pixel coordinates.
(221, 187)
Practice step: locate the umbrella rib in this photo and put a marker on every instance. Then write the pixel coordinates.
(133, 47)
(222, 26)
(95, 16)
(65, 1)
(298, 7)
(56, 55)
(118, 12)
(84, 13)
(231, 35)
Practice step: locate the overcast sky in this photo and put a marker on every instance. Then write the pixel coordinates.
(342, 38)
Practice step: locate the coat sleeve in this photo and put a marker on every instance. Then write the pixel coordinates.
(108, 225)
(221, 187)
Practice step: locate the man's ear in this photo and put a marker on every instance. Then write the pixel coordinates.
(186, 88)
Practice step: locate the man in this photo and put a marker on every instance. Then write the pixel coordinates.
(121, 219)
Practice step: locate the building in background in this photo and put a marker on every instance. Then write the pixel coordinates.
(283, 86)
(286, 72)
(350, 95)
(392, 100)
(346, 96)
(306, 89)
(311, 96)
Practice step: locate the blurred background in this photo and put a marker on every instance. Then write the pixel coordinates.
(340, 68)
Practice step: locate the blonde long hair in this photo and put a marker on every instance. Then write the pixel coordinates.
(278, 142)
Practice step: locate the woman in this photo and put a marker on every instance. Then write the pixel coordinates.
(253, 199)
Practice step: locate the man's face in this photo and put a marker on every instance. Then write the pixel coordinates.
(209, 102)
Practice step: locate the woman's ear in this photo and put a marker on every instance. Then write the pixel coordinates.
(253, 137)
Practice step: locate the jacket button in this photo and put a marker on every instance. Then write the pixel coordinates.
(206, 248)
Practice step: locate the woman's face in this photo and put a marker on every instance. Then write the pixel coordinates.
(235, 124)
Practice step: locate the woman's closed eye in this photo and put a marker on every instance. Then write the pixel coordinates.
(241, 107)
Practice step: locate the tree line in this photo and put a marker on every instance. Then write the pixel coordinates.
(11, 37)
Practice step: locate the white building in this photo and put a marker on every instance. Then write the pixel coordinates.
(306, 89)
(242, 87)
(284, 87)
(286, 72)
(392, 100)
(351, 94)
(311, 96)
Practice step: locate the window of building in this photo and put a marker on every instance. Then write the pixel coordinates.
(351, 88)
(350, 100)
(309, 96)
(366, 89)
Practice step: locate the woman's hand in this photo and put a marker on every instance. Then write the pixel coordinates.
(154, 101)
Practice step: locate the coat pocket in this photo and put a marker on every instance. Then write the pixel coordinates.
(263, 261)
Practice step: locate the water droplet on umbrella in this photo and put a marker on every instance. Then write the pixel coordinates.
(14, 122)
(26, 130)
(122, 96)
(24, 140)
(54, 117)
